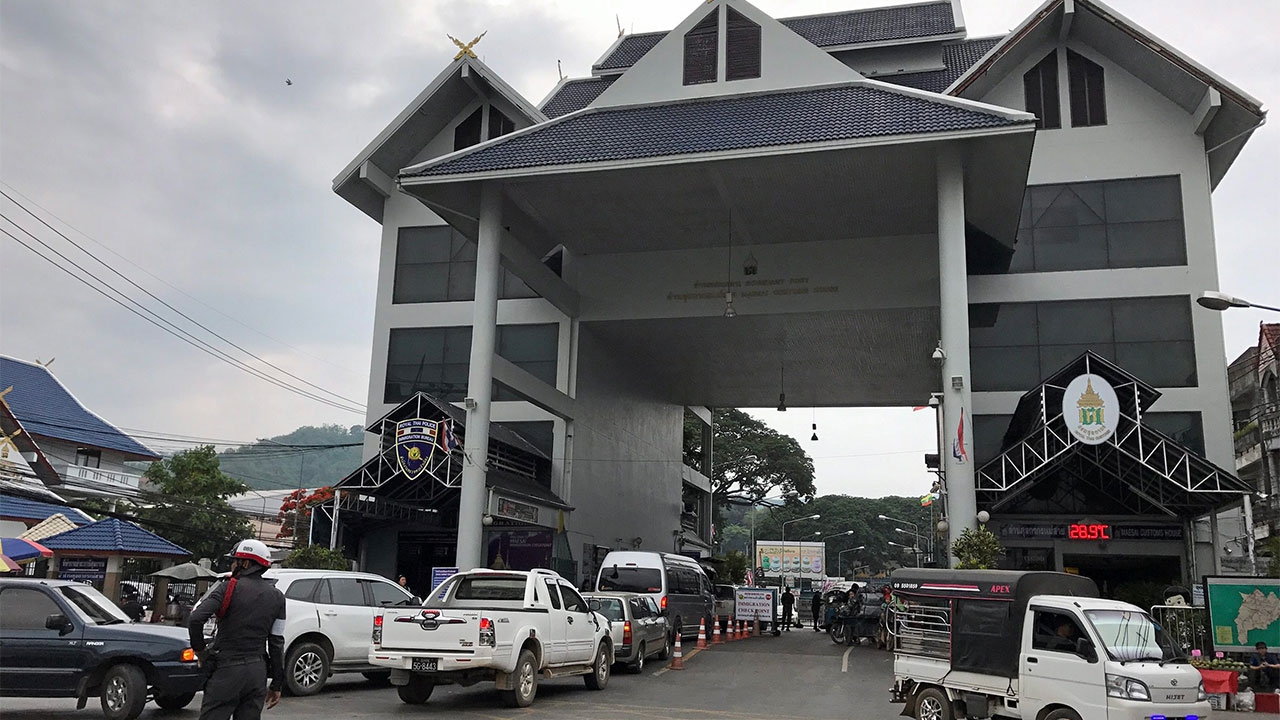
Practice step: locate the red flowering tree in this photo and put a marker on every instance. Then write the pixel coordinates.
(295, 511)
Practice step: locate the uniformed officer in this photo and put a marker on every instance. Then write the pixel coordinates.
(249, 647)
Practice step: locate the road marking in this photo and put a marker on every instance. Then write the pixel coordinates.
(844, 662)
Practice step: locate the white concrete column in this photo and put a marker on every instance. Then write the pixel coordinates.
(954, 286)
(484, 336)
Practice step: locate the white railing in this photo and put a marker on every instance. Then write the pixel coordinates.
(98, 476)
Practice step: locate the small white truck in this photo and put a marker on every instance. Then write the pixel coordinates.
(1031, 646)
(510, 627)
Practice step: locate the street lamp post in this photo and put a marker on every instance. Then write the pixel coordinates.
(840, 558)
(914, 527)
(824, 547)
(914, 550)
(785, 523)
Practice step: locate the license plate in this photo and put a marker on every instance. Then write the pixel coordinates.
(425, 664)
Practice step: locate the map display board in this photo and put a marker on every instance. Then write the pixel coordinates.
(1242, 611)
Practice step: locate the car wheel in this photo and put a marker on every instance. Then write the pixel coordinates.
(124, 692)
(306, 669)
(175, 702)
(1063, 714)
(417, 691)
(599, 676)
(377, 678)
(665, 653)
(932, 704)
(524, 682)
(637, 665)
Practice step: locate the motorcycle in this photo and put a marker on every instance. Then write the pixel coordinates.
(840, 622)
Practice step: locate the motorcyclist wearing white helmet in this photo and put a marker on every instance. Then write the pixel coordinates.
(249, 648)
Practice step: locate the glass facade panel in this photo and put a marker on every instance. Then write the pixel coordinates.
(438, 264)
(1016, 346)
(988, 435)
(1184, 427)
(436, 360)
(541, 433)
(1099, 225)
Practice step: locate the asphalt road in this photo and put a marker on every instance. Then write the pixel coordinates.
(801, 675)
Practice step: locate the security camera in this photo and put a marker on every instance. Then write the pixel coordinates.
(934, 400)
(939, 355)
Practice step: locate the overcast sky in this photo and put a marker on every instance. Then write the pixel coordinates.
(164, 131)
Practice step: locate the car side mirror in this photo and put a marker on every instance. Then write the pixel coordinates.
(415, 600)
(595, 605)
(59, 622)
(1084, 648)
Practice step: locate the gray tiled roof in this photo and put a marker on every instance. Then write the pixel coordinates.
(958, 57)
(575, 95)
(829, 30)
(719, 124)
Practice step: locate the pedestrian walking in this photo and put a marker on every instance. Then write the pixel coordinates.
(788, 603)
(249, 647)
(816, 607)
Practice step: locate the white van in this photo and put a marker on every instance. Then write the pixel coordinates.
(676, 583)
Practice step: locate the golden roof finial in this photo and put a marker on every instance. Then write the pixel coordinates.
(464, 49)
(1090, 398)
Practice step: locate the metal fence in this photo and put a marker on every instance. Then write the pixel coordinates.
(921, 629)
(1185, 625)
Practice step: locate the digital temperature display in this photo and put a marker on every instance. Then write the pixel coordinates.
(1088, 531)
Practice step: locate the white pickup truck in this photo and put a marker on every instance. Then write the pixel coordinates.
(509, 627)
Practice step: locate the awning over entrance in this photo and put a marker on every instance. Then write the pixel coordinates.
(1073, 448)
(517, 475)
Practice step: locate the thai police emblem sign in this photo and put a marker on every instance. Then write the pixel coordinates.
(416, 442)
(1091, 409)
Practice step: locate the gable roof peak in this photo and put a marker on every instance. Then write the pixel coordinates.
(786, 61)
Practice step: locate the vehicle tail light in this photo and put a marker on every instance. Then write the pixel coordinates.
(487, 634)
(377, 630)
(188, 655)
(626, 633)
(664, 602)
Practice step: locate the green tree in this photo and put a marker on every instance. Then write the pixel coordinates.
(317, 557)
(977, 549)
(752, 460)
(191, 505)
(736, 537)
(842, 513)
(735, 566)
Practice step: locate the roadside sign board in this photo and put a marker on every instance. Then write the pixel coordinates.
(755, 604)
(440, 574)
(1242, 611)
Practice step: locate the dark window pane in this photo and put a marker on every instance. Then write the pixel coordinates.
(701, 46)
(1002, 324)
(1004, 368)
(423, 244)
(742, 47)
(523, 343)
(1083, 322)
(1070, 248)
(1071, 206)
(1184, 427)
(499, 124)
(467, 133)
(1088, 96)
(1163, 364)
(301, 589)
(1141, 199)
(1055, 357)
(1147, 244)
(385, 593)
(540, 434)
(1040, 88)
(513, 287)
(462, 281)
(1158, 318)
(436, 360)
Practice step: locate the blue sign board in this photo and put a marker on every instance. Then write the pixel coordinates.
(440, 574)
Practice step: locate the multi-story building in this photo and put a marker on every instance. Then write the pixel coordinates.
(1255, 409)
(88, 453)
(851, 209)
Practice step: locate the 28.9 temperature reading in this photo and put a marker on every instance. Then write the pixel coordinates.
(1089, 531)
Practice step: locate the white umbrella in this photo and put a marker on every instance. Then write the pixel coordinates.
(186, 572)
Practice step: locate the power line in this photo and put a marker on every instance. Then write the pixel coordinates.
(151, 295)
(167, 284)
(185, 336)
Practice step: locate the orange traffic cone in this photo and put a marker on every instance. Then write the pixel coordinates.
(677, 659)
(741, 634)
(715, 632)
(702, 633)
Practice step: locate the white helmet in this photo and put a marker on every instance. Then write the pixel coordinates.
(254, 550)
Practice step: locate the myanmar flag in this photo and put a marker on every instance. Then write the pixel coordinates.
(927, 500)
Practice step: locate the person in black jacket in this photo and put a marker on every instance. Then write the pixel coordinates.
(816, 607)
(249, 648)
(788, 602)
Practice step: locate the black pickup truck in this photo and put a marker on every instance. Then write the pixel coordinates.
(61, 639)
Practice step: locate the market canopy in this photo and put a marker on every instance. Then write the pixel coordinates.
(1131, 468)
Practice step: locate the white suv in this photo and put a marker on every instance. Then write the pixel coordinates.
(328, 616)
